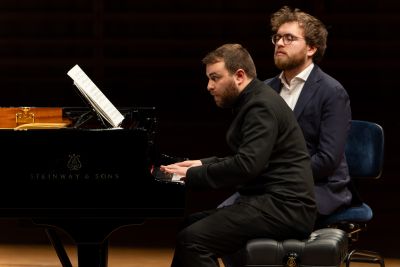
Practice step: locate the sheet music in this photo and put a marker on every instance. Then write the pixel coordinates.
(93, 94)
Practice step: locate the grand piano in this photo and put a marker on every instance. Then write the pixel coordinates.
(61, 168)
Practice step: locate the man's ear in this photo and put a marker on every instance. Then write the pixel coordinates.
(311, 50)
(240, 76)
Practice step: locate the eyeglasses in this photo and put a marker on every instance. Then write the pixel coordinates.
(287, 38)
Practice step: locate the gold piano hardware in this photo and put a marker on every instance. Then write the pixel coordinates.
(43, 118)
(24, 116)
(41, 125)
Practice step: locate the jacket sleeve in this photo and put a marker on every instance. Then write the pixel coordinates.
(334, 126)
(253, 136)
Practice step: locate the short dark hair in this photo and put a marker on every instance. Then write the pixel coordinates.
(315, 32)
(235, 57)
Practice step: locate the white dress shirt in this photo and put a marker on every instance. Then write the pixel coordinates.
(291, 91)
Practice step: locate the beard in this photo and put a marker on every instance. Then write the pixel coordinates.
(289, 63)
(228, 97)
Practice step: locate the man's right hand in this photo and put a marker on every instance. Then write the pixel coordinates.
(180, 168)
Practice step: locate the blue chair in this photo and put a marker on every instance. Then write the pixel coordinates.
(364, 155)
(332, 243)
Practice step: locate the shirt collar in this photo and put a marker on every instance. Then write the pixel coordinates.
(303, 75)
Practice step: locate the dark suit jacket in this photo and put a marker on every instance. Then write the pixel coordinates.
(324, 114)
(269, 164)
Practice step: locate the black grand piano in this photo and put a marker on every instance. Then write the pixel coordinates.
(65, 171)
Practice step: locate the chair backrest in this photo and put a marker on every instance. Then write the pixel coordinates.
(364, 154)
(365, 149)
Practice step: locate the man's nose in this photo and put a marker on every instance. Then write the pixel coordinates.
(280, 42)
(210, 86)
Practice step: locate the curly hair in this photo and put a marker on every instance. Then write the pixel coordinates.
(315, 32)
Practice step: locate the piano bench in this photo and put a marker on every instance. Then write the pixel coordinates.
(324, 247)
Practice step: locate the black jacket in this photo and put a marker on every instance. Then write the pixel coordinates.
(269, 164)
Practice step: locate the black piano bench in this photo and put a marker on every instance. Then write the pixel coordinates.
(325, 247)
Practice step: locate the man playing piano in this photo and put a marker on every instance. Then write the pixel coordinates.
(269, 165)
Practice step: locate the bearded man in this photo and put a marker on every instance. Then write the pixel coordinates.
(320, 103)
(269, 165)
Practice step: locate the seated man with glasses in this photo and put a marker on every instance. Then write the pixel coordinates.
(320, 103)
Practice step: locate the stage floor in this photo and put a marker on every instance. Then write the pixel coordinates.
(20, 255)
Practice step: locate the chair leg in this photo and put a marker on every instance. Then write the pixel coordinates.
(364, 256)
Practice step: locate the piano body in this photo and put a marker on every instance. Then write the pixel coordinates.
(64, 171)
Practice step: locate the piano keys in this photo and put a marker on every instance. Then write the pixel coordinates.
(86, 180)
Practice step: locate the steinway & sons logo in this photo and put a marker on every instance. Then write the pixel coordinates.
(74, 165)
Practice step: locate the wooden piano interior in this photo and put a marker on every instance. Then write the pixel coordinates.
(40, 117)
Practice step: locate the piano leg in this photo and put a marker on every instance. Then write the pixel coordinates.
(89, 254)
(93, 254)
(90, 236)
(58, 246)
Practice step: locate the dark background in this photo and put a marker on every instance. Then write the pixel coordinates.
(148, 53)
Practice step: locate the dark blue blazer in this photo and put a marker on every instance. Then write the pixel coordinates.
(323, 113)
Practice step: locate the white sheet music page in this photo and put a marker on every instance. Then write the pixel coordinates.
(93, 94)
